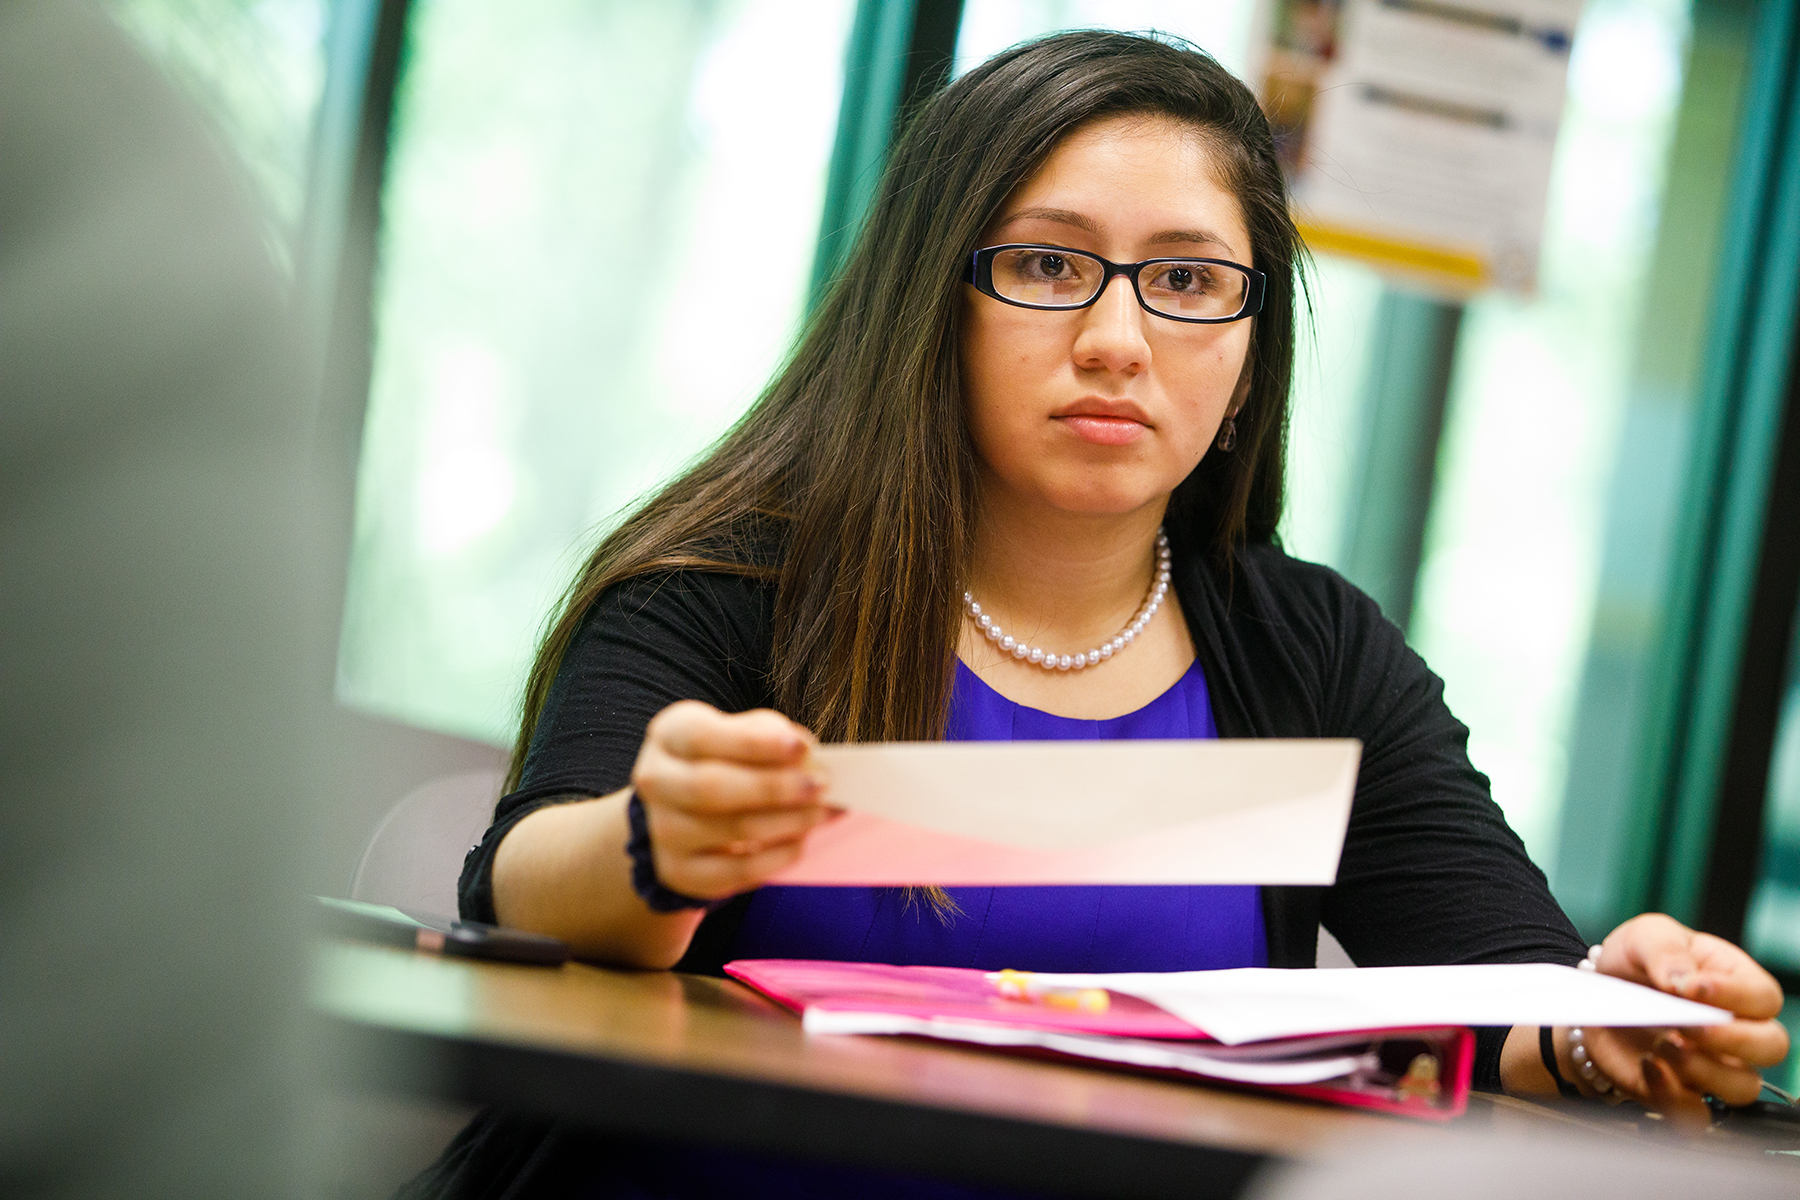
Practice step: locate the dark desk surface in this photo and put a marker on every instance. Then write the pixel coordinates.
(691, 1058)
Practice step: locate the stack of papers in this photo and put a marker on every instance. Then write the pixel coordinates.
(1288, 1063)
(1392, 1038)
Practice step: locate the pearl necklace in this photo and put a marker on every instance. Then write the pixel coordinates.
(1159, 587)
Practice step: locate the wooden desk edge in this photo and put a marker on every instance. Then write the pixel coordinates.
(643, 1095)
(660, 1101)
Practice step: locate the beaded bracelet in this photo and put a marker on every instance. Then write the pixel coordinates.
(1590, 1070)
(643, 866)
(1578, 1051)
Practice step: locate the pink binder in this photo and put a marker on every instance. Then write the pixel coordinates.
(1412, 1072)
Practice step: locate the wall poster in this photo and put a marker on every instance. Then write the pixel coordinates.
(1418, 134)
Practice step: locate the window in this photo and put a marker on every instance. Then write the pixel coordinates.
(1772, 932)
(1774, 927)
(1220, 27)
(568, 184)
(1544, 460)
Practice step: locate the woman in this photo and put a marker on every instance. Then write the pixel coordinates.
(1068, 325)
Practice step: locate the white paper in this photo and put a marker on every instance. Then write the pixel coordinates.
(1264, 811)
(1195, 1058)
(1252, 1004)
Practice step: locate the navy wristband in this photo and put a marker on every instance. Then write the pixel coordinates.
(643, 866)
(1547, 1052)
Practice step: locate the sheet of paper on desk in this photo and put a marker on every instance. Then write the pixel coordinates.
(1260, 811)
(1294, 1065)
(1254, 1004)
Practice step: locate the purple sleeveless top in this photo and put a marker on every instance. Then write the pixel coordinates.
(1026, 928)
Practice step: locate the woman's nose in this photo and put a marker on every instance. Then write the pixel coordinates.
(1112, 331)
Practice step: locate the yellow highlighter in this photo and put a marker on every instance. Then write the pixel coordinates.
(1021, 985)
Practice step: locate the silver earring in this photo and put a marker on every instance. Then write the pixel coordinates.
(1228, 435)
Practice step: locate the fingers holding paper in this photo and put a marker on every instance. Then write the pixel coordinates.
(1660, 951)
(1672, 1071)
(728, 797)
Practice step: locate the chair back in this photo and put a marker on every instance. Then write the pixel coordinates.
(417, 852)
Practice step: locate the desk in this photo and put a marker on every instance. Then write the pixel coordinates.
(692, 1058)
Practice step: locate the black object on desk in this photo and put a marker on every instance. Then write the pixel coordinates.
(438, 935)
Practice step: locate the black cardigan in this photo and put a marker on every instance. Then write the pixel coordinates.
(1430, 873)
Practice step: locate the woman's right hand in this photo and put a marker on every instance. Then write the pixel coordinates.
(728, 797)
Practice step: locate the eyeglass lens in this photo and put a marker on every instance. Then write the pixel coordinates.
(1059, 278)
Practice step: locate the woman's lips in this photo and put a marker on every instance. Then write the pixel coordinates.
(1104, 430)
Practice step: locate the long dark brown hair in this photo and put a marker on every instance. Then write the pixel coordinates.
(855, 463)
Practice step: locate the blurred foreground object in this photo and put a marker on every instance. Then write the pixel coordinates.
(156, 638)
(1528, 1160)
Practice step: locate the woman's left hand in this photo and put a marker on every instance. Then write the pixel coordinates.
(1672, 1071)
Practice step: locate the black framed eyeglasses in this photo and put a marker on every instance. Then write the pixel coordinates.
(1204, 291)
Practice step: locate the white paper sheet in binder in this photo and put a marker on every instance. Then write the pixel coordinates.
(1263, 811)
(1252, 1004)
(1290, 1063)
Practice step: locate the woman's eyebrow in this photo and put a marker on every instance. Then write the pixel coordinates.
(1197, 236)
(1060, 216)
(1064, 216)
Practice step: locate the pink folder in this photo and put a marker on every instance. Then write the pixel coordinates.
(957, 1003)
(950, 992)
